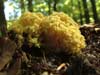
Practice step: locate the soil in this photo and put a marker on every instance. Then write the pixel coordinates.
(36, 62)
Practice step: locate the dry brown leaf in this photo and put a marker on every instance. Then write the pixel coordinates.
(7, 49)
(3, 73)
(15, 68)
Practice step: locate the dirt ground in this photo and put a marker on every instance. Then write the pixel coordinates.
(32, 61)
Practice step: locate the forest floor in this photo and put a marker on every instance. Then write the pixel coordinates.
(37, 63)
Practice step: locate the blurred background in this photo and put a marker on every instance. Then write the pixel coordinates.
(82, 11)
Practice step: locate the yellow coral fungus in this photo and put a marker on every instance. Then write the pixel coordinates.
(28, 23)
(29, 18)
(65, 18)
(59, 33)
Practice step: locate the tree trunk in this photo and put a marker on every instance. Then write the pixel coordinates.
(71, 7)
(80, 12)
(22, 6)
(86, 11)
(95, 15)
(3, 24)
(72, 10)
(30, 6)
(54, 5)
(49, 6)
